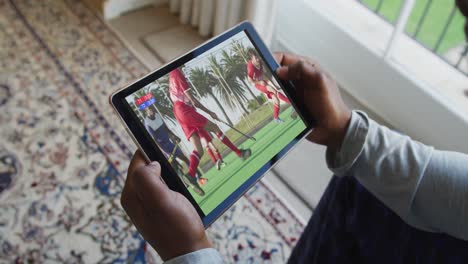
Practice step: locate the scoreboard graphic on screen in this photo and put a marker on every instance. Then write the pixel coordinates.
(145, 101)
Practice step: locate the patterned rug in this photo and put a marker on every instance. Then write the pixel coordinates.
(64, 154)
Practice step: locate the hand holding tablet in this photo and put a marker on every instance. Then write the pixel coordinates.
(167, 221)
(319, 96)
(315, 94)
(233, 117)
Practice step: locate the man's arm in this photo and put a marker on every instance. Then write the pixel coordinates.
(442, 197)
(427, 188)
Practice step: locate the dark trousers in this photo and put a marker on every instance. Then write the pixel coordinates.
(350, 225)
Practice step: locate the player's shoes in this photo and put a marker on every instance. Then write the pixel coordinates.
(202, 181)
(294, 114)
(279, 120)
(220, 164)
(195, 184)
(245, 153)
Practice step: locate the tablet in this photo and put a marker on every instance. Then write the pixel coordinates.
(216, 119)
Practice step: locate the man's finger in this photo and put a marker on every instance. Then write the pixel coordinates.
(134, 208)
(129, 199)
(137, 161)
(297, 71)
(148, 185)
(285, 59)
(130, 202)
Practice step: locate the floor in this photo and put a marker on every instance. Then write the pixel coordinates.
(155, 34)
(156, 37)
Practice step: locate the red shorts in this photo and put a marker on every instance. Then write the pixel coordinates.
(190, 121)
(204, 134)
(263, 89)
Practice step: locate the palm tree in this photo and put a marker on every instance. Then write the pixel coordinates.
(136, 111)
(203, 81)
(228, 83)
(240, 50)
(165, 106)
(236, 64)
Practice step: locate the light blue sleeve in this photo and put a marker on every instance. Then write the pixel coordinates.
(442, 197)
(427, 188)
(202, 256)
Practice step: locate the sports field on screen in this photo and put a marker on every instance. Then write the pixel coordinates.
(203, 115)
(271, 139)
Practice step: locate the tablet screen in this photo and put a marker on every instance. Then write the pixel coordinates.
(218, 119)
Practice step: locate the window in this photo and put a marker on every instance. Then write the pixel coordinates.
(435, 24)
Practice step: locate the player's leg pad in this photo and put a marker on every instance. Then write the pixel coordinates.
(194, 161)
(276, 109)
(212, 155)
(228, 143)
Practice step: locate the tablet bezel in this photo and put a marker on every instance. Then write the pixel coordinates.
(146, 144)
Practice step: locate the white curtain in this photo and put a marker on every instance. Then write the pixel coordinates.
(210, 16)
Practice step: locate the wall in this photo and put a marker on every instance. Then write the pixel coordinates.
(114, 8)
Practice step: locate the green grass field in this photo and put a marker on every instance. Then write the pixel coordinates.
(433, 25)
(270, 140)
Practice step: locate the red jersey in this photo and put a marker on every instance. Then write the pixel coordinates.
(253, 72)
(185, 113)
(178, 86)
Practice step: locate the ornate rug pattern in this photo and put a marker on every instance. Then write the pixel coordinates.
(64, 154)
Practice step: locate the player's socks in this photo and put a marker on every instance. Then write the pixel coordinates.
(212, 156)
(276, 110)
(194, 161)
(283, 98)
(228, 143)
(218, 156)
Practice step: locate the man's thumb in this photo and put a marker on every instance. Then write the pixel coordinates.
(297, 71)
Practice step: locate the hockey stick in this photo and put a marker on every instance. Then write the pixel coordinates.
(171, 157)
(237, 130)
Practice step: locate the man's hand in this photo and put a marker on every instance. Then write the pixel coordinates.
(165, 218)
(320, 96)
